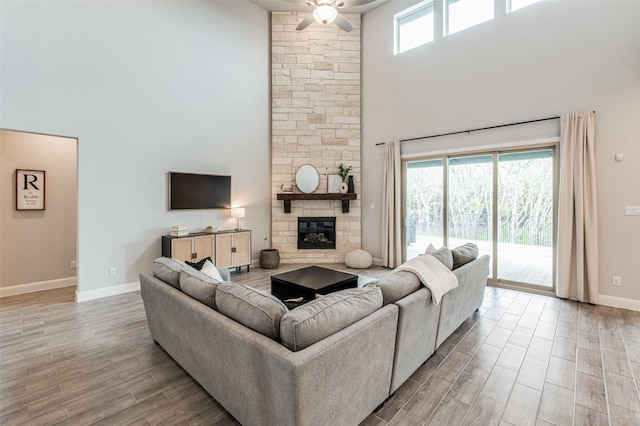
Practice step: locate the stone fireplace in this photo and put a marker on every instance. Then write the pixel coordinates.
(316, 233)
(315, 119)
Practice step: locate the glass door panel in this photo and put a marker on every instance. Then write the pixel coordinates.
(424, 206)
(470, 189)
(525, 217)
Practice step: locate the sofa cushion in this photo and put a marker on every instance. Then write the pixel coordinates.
(464, 254)
(443, 254)
(256, 310)
(199, 286)
(396, 286)
(320, 318)
(168, 270)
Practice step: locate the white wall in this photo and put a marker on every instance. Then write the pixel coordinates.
(38, 245)
(544, 60)
(147, 88)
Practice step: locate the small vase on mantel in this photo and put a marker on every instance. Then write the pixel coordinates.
(350, 185)
(344, 188)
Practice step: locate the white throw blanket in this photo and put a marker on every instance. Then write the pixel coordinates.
(432, 273)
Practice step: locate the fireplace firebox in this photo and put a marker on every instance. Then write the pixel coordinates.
(316, 233)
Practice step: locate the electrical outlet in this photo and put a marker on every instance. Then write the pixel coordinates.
(112, 272)
(73, 264)
(617, 281)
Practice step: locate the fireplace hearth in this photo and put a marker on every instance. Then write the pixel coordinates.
(316, 233)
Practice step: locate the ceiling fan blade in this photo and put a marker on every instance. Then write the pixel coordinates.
(343, 23)
(355, 3)
(305, 23)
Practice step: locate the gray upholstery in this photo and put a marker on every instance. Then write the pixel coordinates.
(396, 286)
(168, 270)
(444, 255)
(416, 338)
(461, 302)
(200, 287)
(261, 382)
(252, 308)
(313, 321)
(361, 349)
(464, 254)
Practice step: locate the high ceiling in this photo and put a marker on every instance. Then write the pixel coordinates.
(284, 6)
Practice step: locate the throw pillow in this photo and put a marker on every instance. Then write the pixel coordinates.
(199, 264)
(256, 310)
(464, 254)
(210, 270)
(430, 249)
(445, 256)
(322, 317)
(396, 285)
(200, 287)
(168, 270)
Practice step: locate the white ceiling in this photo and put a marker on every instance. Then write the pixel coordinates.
(285, 6)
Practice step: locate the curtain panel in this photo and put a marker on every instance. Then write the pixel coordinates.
(391, 206)
(577, 266)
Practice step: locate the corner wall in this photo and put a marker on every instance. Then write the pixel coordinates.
(315, 85)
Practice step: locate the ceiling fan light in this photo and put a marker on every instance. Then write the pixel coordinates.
(325, 14)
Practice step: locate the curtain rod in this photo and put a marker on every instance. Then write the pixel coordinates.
(474, 130)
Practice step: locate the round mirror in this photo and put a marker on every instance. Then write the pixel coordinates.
(307, 179)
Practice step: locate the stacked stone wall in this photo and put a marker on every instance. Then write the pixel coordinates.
(315, 86)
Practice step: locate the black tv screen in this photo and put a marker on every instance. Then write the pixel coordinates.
(195, 191)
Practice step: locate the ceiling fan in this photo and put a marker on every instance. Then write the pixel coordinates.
(326, 11)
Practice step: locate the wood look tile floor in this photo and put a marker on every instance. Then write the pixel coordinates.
(521, 359)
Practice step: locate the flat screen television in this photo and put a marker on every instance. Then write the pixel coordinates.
(197, 191)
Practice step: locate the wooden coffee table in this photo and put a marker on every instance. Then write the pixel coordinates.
(310, 281)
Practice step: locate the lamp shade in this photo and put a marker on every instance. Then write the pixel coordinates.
(237, 212)
(325, 14)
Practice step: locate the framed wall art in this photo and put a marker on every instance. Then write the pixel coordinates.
(333, 183)
(30, 189)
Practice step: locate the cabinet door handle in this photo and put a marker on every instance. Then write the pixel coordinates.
(233, 249)
(194, 256)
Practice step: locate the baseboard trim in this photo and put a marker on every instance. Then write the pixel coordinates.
(83, 296)
(19, 289)
(619, 302)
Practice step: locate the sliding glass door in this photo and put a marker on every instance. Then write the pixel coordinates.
(470, 194)
(503, 201)
(525, 211)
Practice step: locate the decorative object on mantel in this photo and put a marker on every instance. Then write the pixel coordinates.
(29, 189)
(238, 213)
(333, 184)
(286, 188)
(350, 185)
(269, 258)
(344, 172)
(307, 178)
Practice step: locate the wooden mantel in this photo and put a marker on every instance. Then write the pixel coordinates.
(345, 198)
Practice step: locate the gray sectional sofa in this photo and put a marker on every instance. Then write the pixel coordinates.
(330, 361)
